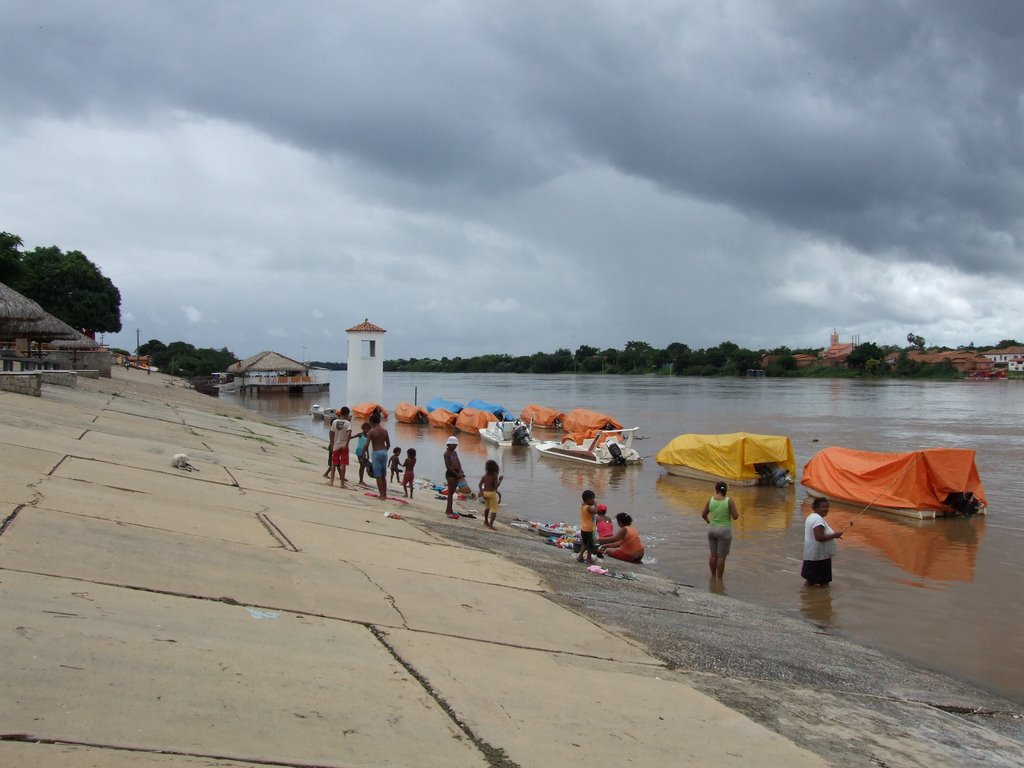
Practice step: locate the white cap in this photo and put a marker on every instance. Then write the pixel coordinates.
(453, 440)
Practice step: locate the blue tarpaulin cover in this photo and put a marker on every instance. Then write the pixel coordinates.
(448, 405)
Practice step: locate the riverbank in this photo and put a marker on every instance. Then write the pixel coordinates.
(247, 612)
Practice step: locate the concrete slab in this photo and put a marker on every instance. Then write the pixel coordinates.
(133, 451)
(393, 552)
(52, 437)
(145, 671)
(591, 710)
(91, 550)
(35, 460)
(461, 608)
(215, 486)
(28, 755)
(238, 524)
(338, 511)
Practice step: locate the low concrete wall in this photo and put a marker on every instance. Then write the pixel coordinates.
(23, 383)
(60, 378)
(98, 360)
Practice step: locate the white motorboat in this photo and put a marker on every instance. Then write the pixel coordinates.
(611, 447)
(507, 433)
(316, 411)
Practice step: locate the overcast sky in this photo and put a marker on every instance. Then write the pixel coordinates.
(521, 176)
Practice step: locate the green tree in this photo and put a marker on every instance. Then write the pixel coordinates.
(10, 259)
(70, 287)
(862, 354)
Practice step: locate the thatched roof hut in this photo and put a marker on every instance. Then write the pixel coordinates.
(14, 306)
(81, 341)
(45, 328)
(270, 362)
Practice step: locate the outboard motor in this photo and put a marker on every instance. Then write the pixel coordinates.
(963, 503)
(520, 435)
(616, 452)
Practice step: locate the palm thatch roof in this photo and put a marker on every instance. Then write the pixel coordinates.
(14, 306)
(45, 328)
(80, 342)
(267, 361)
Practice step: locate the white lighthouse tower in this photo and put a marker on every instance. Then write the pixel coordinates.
(365, 363)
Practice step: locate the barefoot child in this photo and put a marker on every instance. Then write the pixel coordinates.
(362, 452)
(393, 464)
(489, 490)
(587, 525)
(341, 434)
(409, 476)
(604, 526)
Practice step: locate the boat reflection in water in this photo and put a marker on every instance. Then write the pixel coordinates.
(762, 508)
(943, 549)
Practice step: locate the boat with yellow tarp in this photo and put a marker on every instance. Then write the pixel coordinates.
(740, 458)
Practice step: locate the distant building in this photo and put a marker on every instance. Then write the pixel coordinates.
(836, 354)
(962, 360)
(1001, 358)
(271, 372)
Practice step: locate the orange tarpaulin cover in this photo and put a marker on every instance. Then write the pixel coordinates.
(582, 420)
(916, 480)
(439, 417)
(364, 410)
(407, 413)
(542, 416)
(472, 420)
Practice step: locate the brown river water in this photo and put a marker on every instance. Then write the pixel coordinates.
(947, 594)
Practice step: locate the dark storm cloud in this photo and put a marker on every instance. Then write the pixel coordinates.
(889, 128)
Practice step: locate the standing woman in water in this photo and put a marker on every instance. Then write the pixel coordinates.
(719, 512)
(819, 545)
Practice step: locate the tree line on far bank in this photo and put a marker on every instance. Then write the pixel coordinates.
(727, 359)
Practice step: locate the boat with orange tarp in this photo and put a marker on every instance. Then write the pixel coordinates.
(921, 484)
(407, 413)
(541, 416)
(365, 410)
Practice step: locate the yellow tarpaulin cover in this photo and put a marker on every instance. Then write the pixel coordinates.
(916, 480)
(732, 456)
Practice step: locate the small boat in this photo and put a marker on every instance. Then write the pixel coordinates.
(507, 433)
(495, 410)
(541, 417)
(739, 458)
(921, 484)
(407, 413)
(436, 403)
(317, 411)
(612, 447)
(441, 418)
(585, 421)
(365, 410)
(471, 420)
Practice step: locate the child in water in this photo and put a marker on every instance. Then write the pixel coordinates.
(393, 464)
(408, 477)
(489, 490)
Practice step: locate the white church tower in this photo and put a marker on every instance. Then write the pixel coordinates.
(365, 364)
